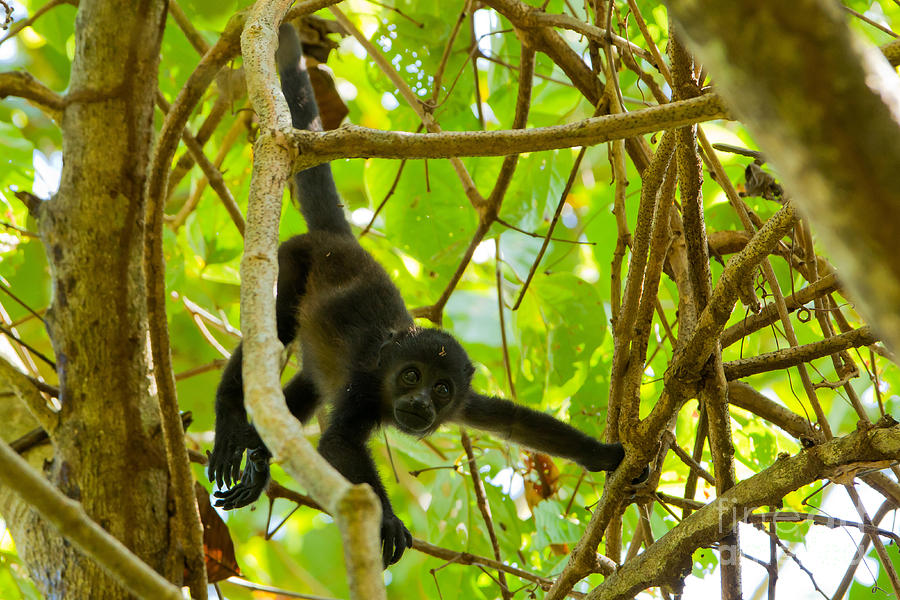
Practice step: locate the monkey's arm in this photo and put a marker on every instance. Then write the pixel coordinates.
(343, 444)
(234, 433)
(539, 431)
(352, 459)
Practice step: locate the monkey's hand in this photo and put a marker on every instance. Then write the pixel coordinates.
(608, 457)
(603, 457)
(395, 538)
(253, 481)
(232, 437)
(645, 474)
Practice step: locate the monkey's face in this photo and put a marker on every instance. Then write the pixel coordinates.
(420, 394)
(427, 374)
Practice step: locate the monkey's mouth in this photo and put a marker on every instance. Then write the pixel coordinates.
(412, 422)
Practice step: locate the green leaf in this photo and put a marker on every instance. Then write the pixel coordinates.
(705, 562)
(575, 322)
(552, 528)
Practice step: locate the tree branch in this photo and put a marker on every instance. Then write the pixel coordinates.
(20, 25)
(485, 509)
(861, 550)
(685, 367)
(27, 391)
(830, 522)
(427, 118)
(796, 355)
(604, 566)
(24, 85)
(742, 395)
(213, 174)
(669, 559)
(352, 141)
(529, 16)
(769, 314)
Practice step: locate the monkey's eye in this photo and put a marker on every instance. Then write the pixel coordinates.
(442, 389)
(410, 376)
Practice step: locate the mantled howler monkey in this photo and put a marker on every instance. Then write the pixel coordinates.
(363, 353)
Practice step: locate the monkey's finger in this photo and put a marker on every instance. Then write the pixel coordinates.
(237, 500)
(217, 472)
(218, 466)
(233, 468)
(236, 470)
(387, 550)
(394, 535)
(645, 474)
(211, 468)
(229, 499)
(399, 548)
(224, 500)
(226, 504)
(250, 496)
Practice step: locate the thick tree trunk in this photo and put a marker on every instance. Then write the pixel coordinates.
(108, 451)
(825, 109)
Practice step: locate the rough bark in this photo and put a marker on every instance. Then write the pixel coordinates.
(844, 177)
(353, 141)
(108, 449)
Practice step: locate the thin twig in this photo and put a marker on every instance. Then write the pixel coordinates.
(430, 125)
(532, 234)
(832, 523)
(213, 175)
(387, 197)
(27, 346)
(445, 56)
(886, 561)
(485, 509)
(501, 310)
(692, 464)
(434, 313)
(559, 206)
(871, 22)
(399, 12)
(19, 26)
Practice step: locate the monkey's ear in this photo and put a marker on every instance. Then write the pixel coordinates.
(383, 345)
(470, 370)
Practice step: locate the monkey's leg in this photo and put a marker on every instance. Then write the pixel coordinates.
(343, 444)
(302, 397)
